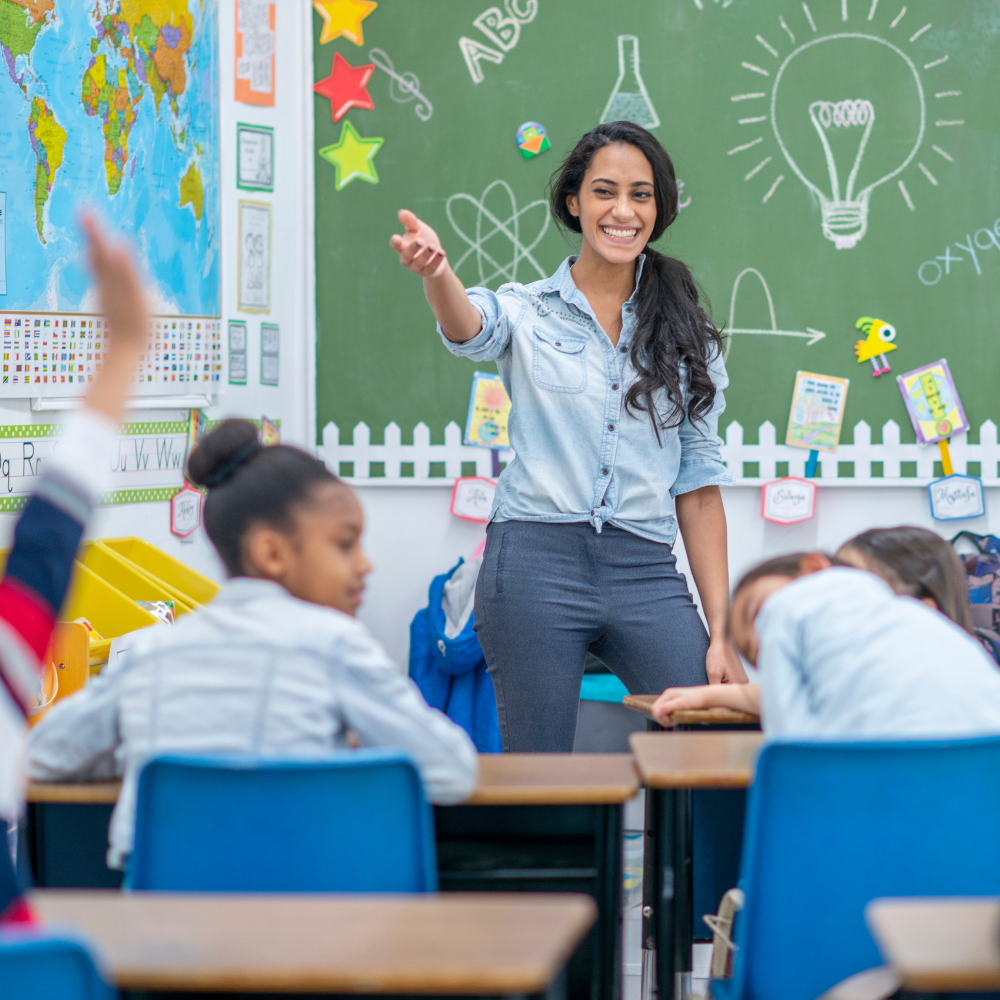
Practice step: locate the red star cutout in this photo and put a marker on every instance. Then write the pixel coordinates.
(346, 87)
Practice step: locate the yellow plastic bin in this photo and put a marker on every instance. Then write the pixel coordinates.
(182, 582)
(111, 612)
(125, 576)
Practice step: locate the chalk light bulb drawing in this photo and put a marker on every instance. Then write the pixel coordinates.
(849, 114)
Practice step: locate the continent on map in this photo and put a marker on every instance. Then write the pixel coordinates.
(153, 38)
(111, 102)
(193, 191)
(48, 138)
(20, 22)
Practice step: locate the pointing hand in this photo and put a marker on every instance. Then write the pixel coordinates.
(419, 248)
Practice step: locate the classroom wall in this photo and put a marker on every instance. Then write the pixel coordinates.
(292, 401)
(411, 536)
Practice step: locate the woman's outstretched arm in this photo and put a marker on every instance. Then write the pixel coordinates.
(420, 251)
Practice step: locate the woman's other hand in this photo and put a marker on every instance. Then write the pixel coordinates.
(419, 248)
(723, 665)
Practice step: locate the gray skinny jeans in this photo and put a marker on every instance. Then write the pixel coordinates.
(549, 592)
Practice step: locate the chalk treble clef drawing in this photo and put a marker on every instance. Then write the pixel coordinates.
(403, 87)
(509, 228)
(808, 334)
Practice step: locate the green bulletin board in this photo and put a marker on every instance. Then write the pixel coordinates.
(754, 100)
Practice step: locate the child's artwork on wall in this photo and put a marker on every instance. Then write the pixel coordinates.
(254, 63)
(255, 257)
(254, 157)
(932, 402)
(237, 352)
(270, 346)
(489, 409)
(817, 411)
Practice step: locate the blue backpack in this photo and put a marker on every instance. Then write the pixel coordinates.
(982, 575)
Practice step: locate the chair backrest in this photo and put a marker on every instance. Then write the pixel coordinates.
(831, 826)
(352, 821)
(40, 967)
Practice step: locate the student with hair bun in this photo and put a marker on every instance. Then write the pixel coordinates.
(276, 664)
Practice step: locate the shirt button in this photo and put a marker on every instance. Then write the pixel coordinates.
(591, 513)
(624, 350)
(611, 427)
(558, 344)
(604, 472)
(628, 309)
(614, 385)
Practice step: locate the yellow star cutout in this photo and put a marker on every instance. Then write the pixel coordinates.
(343, 17)
(352, 156)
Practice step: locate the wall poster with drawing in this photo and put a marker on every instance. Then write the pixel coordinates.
(255, 257)
(846, 173)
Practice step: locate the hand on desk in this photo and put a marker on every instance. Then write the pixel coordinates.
(739, 697)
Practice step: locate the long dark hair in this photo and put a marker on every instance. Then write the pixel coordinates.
(671, 327)
(249, 484)
(919, 563)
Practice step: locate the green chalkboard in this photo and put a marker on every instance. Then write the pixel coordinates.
(753, 98)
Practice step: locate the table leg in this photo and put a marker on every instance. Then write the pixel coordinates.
(672, 892)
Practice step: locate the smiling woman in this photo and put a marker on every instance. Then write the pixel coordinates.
(616, 379)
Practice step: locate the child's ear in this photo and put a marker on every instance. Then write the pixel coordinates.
(813, 562)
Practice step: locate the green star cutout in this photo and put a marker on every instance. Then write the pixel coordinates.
(352, 156)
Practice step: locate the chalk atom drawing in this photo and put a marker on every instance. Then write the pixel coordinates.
(810, 335)
(493, 234)
(629, 100)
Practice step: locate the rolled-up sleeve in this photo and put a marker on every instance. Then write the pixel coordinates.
(501, 315)
(701, 460)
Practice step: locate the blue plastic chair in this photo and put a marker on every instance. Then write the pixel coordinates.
(37, 967)
(353, 821)
(831, 826)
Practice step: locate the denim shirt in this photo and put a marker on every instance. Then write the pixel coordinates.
(580, 456)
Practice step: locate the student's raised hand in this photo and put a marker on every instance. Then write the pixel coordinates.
(682, 699)
(419, 248)
(122, 299)
(123, 304)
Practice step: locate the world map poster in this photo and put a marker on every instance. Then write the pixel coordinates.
(111, 104)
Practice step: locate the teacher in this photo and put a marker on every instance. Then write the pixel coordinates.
(616, 378)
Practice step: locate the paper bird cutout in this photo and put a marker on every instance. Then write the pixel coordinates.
(346, 87)
(343, 17)
(352, 156)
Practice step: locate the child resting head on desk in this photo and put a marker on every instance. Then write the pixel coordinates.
(276, 664)
(842, 652)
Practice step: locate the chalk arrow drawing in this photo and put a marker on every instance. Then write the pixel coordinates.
(809, 334)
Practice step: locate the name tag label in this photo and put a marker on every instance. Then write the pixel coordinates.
(788, 500)
(956, 497)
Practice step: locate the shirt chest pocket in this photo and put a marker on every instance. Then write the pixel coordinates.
(559, 363)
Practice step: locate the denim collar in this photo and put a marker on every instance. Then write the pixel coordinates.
(562, 284)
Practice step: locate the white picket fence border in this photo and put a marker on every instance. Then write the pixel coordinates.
(766, 453)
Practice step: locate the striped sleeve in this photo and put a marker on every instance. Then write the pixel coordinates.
(46, 539)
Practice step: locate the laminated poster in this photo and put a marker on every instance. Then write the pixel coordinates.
(254, 63)
(255, 257)
(489, 409)
(254, 157)
(932, 402)
(817, 411)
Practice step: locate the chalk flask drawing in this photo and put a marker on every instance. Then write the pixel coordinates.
(629, 100)
(843, 198)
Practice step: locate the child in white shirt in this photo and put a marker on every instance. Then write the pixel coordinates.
(840, 653)
(276, 664)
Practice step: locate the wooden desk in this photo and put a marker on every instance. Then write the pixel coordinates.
(714, 717)
(461, 944)
(547, 822)
(939, 945)
(672, 764)
(80, 792)
(536, 822)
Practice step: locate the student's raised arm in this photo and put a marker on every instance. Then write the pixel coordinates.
(420, 251)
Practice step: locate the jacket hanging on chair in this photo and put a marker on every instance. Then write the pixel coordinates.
(446, 660)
